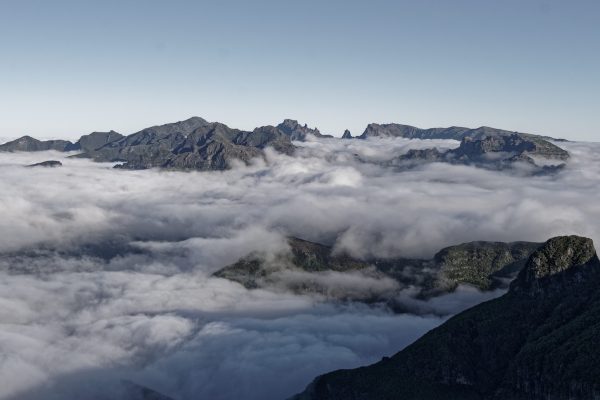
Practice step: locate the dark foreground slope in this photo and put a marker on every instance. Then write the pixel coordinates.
(537, 342)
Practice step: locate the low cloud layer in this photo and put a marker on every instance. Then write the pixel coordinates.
(105, 274)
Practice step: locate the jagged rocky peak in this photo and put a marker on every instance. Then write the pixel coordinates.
(557, 256)
(27, 143)
(47, 164)
(347, 135)
(296, 131)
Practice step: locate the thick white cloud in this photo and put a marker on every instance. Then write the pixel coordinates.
(105, 274)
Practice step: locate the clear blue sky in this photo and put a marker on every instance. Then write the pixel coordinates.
(71, 67)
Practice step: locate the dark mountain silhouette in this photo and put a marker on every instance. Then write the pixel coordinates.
(537, 342)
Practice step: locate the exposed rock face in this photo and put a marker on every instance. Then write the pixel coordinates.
(479, 263)
(298, 132)
(486, 265)
(557, 257)
(198, 144)
(492, 151)
(260, 270)
(453, 132)
(27, 143)
(483, 147)
(95, 140)
(49, 163)
(537, 342)
(411, 132)
(133, 391)
(347, 135)
(191, 144)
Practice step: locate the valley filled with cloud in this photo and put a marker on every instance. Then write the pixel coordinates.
(106, 274)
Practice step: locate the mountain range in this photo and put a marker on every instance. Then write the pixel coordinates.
(196, 144)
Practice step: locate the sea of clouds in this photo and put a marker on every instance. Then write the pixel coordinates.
(105, 275)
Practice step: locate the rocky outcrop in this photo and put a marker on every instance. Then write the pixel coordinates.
(486, 265)
(453, 132)
(411, 132)
(493, 151)
(193, 144)
(347, 135)
(537, 342)
(485, 147)
(47, 164)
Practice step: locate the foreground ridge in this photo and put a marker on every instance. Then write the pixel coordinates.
(538, 341)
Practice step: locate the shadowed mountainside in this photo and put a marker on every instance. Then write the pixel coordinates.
(537, 342)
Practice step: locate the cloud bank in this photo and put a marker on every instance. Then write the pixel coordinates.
(105, 275)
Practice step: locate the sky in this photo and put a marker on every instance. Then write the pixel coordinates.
(71, 67)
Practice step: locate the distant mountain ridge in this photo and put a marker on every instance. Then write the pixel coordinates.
(453, 132)
(492, 152)
(537, 342)
(484, 147)
(196, 144)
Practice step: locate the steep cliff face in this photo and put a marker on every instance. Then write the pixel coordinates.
(538, 342)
